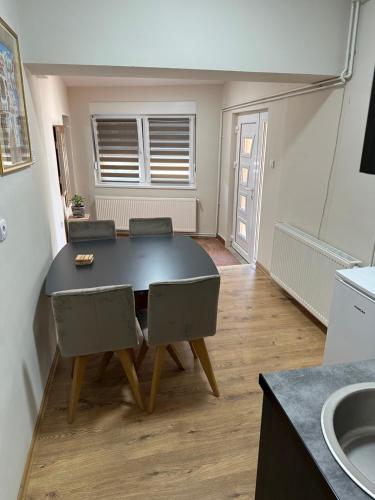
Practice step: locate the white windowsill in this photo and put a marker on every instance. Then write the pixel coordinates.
(191, 187)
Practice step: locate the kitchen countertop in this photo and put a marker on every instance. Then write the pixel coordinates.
(301, 394)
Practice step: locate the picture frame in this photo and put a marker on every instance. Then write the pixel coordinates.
(15, 148)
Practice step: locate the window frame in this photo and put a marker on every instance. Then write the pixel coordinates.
(144, 152)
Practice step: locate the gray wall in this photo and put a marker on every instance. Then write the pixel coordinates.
(27, 340)
(207, 99)
(301, 139)
(349, 220)
(293, 36)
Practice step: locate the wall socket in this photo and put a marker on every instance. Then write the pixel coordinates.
(3, 229)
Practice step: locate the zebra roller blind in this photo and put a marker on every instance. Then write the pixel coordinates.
(117, 149)
(169, 150)
(145, 150)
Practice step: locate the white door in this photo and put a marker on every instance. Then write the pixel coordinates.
(251, 135)
(63, 163)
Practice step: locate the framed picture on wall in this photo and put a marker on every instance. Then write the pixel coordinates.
(15, 151)
(368, 154)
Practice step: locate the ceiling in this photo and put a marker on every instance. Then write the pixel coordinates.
(114, 81)
(110, 76)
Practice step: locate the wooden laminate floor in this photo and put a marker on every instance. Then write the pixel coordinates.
(194, 446)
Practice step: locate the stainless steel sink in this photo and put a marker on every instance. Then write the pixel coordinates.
(348, 424)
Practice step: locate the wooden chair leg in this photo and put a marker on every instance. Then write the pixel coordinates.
(175, 356)
(141, 355)
(107, 356)
(193, 350)
(128, 366)
(80, 363)
(201, 350)
(159, 359)
(132, 354)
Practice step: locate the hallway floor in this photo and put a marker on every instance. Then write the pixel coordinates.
(194, 445)
(218, 252)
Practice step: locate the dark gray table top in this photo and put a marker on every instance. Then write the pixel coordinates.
(135, 261)
(301, 394)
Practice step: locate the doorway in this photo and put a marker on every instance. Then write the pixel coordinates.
(61, 134)
(250, 150)
(62, 164)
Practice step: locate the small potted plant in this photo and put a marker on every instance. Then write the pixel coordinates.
(78, 206)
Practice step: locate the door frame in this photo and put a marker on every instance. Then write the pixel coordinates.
(260, 160)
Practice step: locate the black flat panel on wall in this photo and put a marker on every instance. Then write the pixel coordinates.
(368, 154)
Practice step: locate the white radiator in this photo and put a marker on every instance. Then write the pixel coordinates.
(183, 211)
(305, 267)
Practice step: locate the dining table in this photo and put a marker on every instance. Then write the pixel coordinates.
(136, 261)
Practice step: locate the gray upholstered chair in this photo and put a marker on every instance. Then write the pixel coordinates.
(92, 230)
(97, 320)
(183, 310)
(147, 227)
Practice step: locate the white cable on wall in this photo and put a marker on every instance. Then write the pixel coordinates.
(332, 165)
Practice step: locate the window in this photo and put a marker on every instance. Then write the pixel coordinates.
(244, 175)
(154, 150)
(247, 145)
(243, 202)
(242, 230)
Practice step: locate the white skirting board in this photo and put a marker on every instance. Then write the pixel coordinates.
(183, 211)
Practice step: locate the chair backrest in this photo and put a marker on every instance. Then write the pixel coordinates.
(95, 320)
(182, 309)
(92, 230)
(148, 227)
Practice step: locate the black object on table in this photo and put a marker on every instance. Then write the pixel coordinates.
(134, 261)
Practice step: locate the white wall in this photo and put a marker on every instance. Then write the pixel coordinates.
(290, 36)
(301, 139)
(301, 133)
(349, 220)
(27, 341)
(207, 99)
(51, 102)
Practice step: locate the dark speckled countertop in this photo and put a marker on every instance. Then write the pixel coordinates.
(301, 394)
